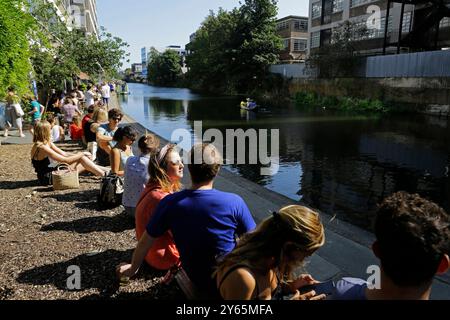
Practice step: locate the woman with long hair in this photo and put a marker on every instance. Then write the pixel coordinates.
(262, 264)
(165, 170)
(44, 149)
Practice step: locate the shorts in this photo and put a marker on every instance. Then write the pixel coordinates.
(105, 100)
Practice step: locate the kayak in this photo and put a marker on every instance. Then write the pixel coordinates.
(250, 107)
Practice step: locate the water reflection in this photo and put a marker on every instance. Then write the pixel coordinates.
(343, 165)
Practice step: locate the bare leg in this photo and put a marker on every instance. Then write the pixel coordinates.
(86, 164)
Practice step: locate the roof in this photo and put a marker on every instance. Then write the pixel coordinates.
(292, 17)
(83, 76)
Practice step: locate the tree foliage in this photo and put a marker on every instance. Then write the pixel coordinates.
(35, 42)
(339, 58)
(164, 69)
(232, 50)
(15, 25)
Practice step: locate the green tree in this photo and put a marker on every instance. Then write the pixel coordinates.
(232, 50)
(164, 69)
(258, 46)
(15, 26)
(340, 57)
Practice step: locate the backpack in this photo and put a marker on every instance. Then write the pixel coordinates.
(111, 190)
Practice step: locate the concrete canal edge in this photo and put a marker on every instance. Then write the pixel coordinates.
(346, 252)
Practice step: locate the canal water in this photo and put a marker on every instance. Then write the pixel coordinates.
(341, 164)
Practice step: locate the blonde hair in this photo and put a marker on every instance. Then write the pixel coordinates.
(76, 120)
(42, 132)
(294, 224)
(100, 115)
(158, 171)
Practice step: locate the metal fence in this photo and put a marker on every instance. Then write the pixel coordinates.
(296, 70)
(413, 65)
(408, 65)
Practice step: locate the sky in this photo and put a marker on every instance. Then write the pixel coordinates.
(159, 23)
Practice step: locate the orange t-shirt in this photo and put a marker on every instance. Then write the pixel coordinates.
(76, 133)
(163, 254)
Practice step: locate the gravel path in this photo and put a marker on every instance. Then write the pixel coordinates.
(43, 232)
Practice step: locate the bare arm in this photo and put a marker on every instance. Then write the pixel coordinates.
(238, 285)
(115, 162)
(129, 270)
(102, 137)
(51, 153)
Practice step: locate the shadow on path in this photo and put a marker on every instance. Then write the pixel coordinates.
(116, 224)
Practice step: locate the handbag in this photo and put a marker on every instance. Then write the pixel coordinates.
(64, 177)
(111, 191)
(18, 110)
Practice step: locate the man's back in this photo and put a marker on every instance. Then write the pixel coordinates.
(204, 224)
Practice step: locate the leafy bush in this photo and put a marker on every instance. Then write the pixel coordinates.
(310, 99)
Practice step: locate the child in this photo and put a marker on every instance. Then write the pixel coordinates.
(76, 130)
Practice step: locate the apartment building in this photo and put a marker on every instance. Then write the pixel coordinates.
(84, 14)
(413, 25)
(294, 32)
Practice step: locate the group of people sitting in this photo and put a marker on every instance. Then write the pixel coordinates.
(212, 237)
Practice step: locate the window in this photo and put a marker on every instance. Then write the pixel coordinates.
(338, 5)
(354, 3)
(316, 10)
(286, 44)
(301, 25)
(315, 39)
(372, 33)
(445, 23)
(406, 23)
(283, 25)
(300, 44)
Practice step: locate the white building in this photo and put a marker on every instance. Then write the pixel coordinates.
(84, 14)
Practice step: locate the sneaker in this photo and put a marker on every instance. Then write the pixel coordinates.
(5, 134)
(22, 135)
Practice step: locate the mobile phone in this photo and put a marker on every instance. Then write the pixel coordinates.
(326, 288)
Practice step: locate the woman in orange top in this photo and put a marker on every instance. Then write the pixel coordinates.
(165, 170)
(76, 131)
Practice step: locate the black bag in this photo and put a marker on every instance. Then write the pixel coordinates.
(111, 190)
(45, 179)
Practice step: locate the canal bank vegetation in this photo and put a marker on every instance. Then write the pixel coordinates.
(232, 51)
(36, 45)
(349, 104)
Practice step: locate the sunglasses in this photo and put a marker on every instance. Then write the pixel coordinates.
(117, 118)
(177, 163)
(131, 138)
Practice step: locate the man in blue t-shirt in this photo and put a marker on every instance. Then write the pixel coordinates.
(412, 243)
(204, 221)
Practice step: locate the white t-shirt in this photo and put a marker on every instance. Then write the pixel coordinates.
(89, 98)
(106, 91)
(56, 136)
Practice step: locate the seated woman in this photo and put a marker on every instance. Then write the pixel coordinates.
(57, 132)
(124, 138)
(90, 130)
(262, 264)
(136, 173)
(165, 170)
(75, 129)
(44, 149)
